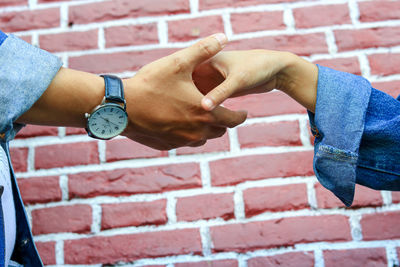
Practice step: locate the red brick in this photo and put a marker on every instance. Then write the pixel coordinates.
(76, 219)
(30, 19)
(349, 64)
(53, 156)
(133, 214)
(120, 9)
(367, 38)
(379, 10)
(236, 170)
(47, 251)
(131, 35)
(40, 189)
(379, 226)
(294, 259)
(396, 197)
(212, 145)
(215, 263)
(366, 257)
(69, 41)
(301, 44)
(211, 4)
(5, 3)
(275, 198)
(129, 247)
(117, 62)
(204, 207)
(285, 133)
(133, 181)
(257, 21)
(364, 197)
(122, 149)
(26, 38)
(36, 130)
(262, 105)
(280, 232)
(384, 64)
(19, 158)
(392, 88)
(324, 15)
(75, 131)
(189, 29)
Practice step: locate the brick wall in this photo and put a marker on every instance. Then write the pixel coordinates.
(246, 199)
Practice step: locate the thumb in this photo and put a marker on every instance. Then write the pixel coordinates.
(203, 49)
(219, 94)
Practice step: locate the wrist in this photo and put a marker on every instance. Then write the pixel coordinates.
(299, 80)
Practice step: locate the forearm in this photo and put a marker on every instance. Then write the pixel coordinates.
(70, 95)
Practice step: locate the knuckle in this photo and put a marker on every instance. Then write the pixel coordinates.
(180, 65)
(205, 48)
(241, 78)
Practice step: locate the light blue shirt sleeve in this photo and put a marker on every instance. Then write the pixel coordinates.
(25, 73)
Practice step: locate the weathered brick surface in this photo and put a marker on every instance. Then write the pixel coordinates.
(205, 207)
(384, 64)
(236, 170)
(280, 232)
(188, 29)
(35, 130)
(324, 15)
(5, 3)
(211, 4)
(75, 218)
(53, 156)
(379, 10)
(69, 41)
(294, 259)
(19, 159)
(30, 19)
(364, 197)
(257, 21)
(131, 35)
(367, 38)
(132, 181)
(392, 88)
(129, 247)
(133, 214)
(286, 133)
(368, 257)
(120, 9)
(212, 145)
(123, 149)
(350, 64)
(215, 263)
(40, 189)
(47, 252)
(275, 198)
(383, 225)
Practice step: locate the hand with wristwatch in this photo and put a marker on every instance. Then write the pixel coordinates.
(159, 107)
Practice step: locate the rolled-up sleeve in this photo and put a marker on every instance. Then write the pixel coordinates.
(25, 73)
(338, 125)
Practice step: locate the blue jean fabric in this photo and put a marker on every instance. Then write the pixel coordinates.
(357, 130)
(25, 73)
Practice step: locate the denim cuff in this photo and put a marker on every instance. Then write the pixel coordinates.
(338, 125)
(25, 73)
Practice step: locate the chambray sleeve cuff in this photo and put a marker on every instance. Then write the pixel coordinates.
(25, 73)
(338, 125)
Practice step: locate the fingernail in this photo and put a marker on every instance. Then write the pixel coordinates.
(221, 38)
(208, 103)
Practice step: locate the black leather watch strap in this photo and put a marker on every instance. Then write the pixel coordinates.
(114, 88)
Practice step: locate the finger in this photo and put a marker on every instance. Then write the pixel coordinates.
(228, 118)
(203, 49)
(220, 93)
(198, 143)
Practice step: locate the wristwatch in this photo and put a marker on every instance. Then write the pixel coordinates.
(108, 119)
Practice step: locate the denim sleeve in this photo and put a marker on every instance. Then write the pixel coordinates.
(338, 125)
(25, 73)
(3, 36)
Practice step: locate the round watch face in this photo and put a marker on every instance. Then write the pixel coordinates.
(108, 121)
